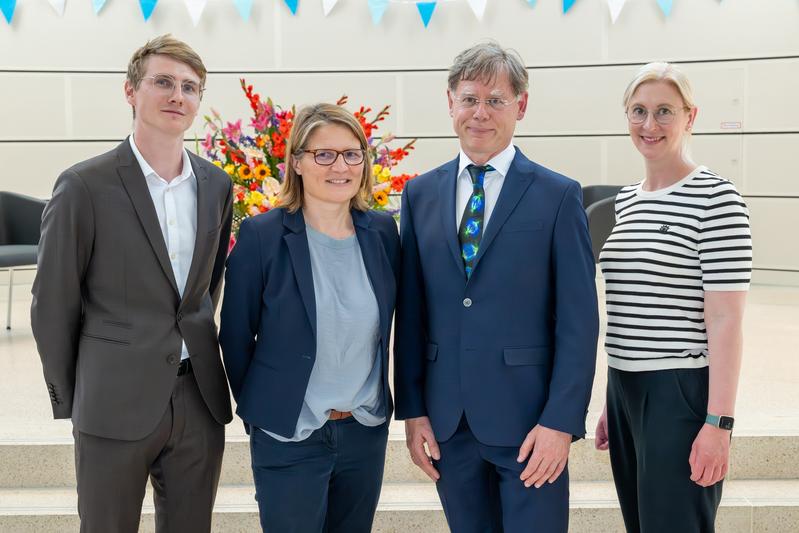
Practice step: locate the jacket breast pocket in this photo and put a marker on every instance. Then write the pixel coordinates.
(535, 355)
(524, 225)
(432, 352)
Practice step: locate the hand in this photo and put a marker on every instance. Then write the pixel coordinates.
(601, 436)
(419, 432)
(710, 455)
(550, 454)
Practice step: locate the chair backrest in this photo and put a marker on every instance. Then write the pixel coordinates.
(20, 218)
(595, 193)
(601, 219)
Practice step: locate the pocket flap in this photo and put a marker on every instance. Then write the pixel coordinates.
(432, 352)
(538, 355)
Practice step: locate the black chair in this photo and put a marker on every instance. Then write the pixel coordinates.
(595, 193)
(20, 221)
(601, 219)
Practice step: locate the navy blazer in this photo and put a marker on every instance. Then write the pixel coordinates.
(515, 345)
(268, 326)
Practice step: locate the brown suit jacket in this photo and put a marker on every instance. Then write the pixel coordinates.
(107, 315)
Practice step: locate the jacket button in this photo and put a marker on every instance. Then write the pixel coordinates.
(172, 359)
(180, 316)
(467, 302)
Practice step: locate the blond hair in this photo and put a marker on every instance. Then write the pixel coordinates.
(168, 46)
(305, 123)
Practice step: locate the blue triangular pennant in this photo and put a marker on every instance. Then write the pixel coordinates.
(665, 6)
(8, 7)
(244, 7)
(567, 5)
(292, 5)
(531, 2)
(377, 8)
(147, 7)
(426, 11)
(98, 5)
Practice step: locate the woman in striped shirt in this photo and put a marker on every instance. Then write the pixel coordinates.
(677, 266)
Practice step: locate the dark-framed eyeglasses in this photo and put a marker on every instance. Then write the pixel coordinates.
(327, 156)
(166, 84)
(663, 115)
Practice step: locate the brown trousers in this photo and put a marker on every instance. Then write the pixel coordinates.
(182, 457)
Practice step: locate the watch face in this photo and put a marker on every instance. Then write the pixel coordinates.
(726, 422)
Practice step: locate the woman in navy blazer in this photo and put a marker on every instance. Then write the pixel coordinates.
(306, 320)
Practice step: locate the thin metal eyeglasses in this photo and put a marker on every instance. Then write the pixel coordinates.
(470, 102)
(166, 84)
(663, 115)
(326, 156)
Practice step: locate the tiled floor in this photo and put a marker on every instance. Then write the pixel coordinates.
(767, 398)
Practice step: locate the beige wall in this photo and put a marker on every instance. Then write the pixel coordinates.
(61, 83)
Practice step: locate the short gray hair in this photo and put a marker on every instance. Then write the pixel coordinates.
(484, 61)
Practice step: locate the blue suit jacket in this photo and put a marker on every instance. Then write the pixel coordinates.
(268, 326)
(515, 345)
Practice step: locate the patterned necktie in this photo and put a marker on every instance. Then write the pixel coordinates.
(472, 222)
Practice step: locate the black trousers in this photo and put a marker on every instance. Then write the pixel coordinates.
(653, 419)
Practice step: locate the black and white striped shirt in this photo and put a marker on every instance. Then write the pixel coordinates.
(667, 248)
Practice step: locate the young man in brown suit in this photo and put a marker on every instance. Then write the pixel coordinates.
(130, 261)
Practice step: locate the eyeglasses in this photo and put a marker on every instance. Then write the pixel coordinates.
(663, 115)
(327, 157)
(470, 102)
(165, 84)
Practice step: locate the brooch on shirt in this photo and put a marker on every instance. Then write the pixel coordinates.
(664, 228)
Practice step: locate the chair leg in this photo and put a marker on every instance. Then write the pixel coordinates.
(10, 290)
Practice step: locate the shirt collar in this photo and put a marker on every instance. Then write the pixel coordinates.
(186, 173)
(501, 162)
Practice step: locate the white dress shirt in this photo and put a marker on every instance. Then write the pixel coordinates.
(176, 206)
(492, 182)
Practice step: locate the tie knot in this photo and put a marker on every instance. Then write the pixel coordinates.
(478, 172)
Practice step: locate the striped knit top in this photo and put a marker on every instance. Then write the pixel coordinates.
(668, 247)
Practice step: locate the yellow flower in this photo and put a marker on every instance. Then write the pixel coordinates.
(230, 169)
(385, 174)
(218, 163)
(376, 170)
(381, 198)
(274, 201)
(262, 171)
(255, 198)
(245, 172)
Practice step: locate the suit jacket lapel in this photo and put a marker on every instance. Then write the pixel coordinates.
(136, 187)
(374, 259)
(297, 243)
(447, 179)
(205, 206)
(519, 177)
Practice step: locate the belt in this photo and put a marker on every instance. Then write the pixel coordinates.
(184, 367)
(338, 415)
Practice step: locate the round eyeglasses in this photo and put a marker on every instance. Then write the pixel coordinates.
(326, 156)
(663, 115)
(165, 83)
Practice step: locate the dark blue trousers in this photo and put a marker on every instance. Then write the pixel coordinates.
(327, 483)
(481, 491)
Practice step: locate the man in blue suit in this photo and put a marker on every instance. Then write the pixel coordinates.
(497, 323)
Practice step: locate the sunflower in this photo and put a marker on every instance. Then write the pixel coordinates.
(261, 172)
(245, 172)
(381, 197)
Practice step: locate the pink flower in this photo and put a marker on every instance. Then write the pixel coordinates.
(233, 131)
(208, 143)
(260, 122)
(231, 243)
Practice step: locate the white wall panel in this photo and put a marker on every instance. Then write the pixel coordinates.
(774, 222)
(33, 106)
(772, 95)
(770, 164)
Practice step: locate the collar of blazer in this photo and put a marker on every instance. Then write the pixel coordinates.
(374, 259)
(136, 186)
(521, 174)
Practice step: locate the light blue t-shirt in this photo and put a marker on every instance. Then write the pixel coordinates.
(346, 375)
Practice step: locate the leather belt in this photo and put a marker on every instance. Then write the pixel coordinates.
(338, 415)
(184, 367)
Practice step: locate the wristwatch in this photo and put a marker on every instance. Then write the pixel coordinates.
(720, 421)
